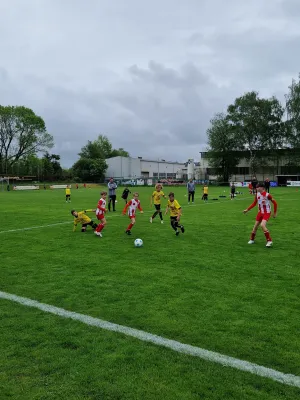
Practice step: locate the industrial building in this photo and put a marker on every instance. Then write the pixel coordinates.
(134, 168)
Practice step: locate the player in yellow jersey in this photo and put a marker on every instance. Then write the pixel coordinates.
(175, 213)
(156, 198)
(205, 192)
(68, 194)
(83, 219)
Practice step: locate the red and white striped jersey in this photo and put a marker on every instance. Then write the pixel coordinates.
(264, 200)
(132, 205)
(101, 206)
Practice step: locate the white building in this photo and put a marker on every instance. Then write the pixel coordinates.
(128, 167)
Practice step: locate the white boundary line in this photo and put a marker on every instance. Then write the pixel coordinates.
(287, 379)
(113, 215)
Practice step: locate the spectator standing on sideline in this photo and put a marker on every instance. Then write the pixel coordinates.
(254, 184)
(191, 190)
(267, 185)
(112, 186)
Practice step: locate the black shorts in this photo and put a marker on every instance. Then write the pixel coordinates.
(157, 207)
(68, 195)
(173, 219)
(232, 191)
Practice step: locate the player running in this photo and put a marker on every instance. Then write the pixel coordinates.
(100, 214)
(156, 198)
(132, 205)
(175, 213)
(264, 200)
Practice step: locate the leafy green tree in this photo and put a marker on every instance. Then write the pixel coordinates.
(222, 153)
(119, 152)
(257, 125)
(90, 169)
(51, 166)
(91, 165)
(293, 112)
(22, 133)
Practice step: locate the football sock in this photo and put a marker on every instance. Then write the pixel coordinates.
(129, 227)
(253, 234)
(160, 216)
(267, 235)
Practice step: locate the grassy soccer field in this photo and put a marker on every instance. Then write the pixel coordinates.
(207, 288)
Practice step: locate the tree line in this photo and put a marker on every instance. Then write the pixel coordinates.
(263, 131)
(23, 136)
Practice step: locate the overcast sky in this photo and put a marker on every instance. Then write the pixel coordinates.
(148, 74)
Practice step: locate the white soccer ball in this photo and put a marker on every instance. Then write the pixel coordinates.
(138, 243)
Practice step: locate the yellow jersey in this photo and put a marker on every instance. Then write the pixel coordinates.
(68, 191)
(157, 196)
(174, 207)
(205, 190)
(82, 218)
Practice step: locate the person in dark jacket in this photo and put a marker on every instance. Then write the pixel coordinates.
(267, 185)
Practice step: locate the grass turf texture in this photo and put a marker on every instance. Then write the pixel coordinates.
(206, 288)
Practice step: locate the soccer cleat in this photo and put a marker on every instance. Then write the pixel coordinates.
(251, 242)
(177, 233)
(151, 220)
(182, 228)
(128, 232)
(161, 221)
(98, 234)
(269, 243)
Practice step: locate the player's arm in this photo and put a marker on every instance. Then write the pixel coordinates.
(140, 208)
(151, 199)
(167, 210)
(75, 225)
(89, 210)
(274, 202)
(251, 206)
(179, 211)
(125, 208)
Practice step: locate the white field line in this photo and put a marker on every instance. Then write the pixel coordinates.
(113, 215)
(287, 379)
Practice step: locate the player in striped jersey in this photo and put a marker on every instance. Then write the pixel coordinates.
(131, 206)
(100, 214)
(263, 200)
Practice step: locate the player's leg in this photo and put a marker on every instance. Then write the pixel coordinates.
(255, 228)
(160, 214)
(265, 230)
(100, 226)
(109, 203)
(114, 202)
(193, 197)
(132, 222)
(155, 213)
(83, 227)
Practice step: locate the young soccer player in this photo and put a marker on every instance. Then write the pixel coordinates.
(175, 213)
(132, 205)
(125, 194)
(205, 192)
(232, 191)
(156, 198)
(100, 214)
(264, 200)
(83, 219)
(68, 194)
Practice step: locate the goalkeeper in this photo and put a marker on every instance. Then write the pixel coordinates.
(83, 219)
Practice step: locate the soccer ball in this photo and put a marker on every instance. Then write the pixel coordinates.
(138, 243)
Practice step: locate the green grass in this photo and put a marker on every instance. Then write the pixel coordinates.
(206, 288)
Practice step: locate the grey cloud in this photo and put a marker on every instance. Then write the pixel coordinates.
(149, 80)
